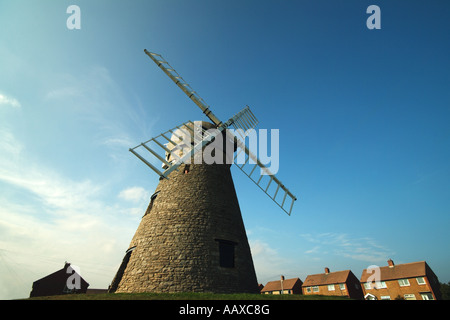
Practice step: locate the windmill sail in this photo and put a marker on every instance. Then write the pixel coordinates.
(177, 145)
(243, 122)
(173, 147)
(265, 179)
(183, 85)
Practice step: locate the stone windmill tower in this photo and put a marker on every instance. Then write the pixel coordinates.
(192, 236)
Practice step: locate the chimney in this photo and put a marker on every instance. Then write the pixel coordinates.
(390, 263)
(327, 270)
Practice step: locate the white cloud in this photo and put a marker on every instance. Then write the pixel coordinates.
(118, 142)
(8, 144)
(64, 93)
(9, 101)
(269, 265)
(313, 250)
(46, 216)
(95, 99)
(344, 245)
(134, 194)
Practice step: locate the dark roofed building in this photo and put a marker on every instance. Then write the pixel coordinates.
(339, 283)
(64, 281)
(283, 286)
(409, 281)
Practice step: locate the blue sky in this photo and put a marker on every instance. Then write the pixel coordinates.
(363, 118)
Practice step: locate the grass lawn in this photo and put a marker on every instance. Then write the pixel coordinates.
(185, 296)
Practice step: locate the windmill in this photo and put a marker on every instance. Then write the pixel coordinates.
(192, 236)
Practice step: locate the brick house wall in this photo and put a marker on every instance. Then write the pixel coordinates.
(352, 290)
(394, 290)
(283, 286)
(410, 281)
(325, 290)
(341, 283)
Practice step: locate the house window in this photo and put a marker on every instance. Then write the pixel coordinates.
(331, 287)
(308, 289)
(385, 297)
(426, 296)
(315, 288)
(376, 285)
(342, 286)
(420, 280)
(403, 282)
(226, 253)
(410, 296)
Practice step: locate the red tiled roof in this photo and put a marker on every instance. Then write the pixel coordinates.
(288, 284)
(401, 271)
(326, 278)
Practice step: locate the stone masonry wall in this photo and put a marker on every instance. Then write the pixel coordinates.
(176, 243)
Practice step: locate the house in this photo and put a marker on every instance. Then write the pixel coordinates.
(409, 281)
(63, 281)
(339, 283)
(283, 286)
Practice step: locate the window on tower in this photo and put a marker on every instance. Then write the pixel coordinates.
(226, 253)
(152, 199)
(120, 272)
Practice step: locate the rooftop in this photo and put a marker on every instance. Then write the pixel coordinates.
(401, 271)
(326, 278)
(288, 284)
